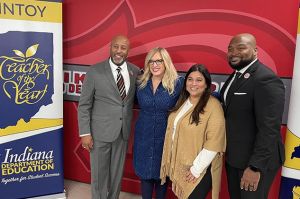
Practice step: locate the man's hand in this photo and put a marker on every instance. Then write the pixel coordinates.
(87, 142)
(250, 180)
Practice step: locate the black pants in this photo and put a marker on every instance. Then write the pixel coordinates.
(234, 176)
(203, 187)
(148, 186)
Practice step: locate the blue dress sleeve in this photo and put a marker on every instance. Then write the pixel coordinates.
(179, 84)
(216, 95)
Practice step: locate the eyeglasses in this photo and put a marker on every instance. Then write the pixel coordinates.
(158, 62)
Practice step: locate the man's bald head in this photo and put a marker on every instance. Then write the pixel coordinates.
(120, 38)
(245, 37)
(241, 50)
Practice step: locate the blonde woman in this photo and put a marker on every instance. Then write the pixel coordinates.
(157, 93)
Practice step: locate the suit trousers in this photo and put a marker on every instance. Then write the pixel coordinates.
(107, 163)
(234, 176)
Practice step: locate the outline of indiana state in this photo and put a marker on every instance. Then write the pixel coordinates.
(296, 152)
(27, 84)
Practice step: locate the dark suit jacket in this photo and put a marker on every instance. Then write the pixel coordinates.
(253, 119)
(101, 110)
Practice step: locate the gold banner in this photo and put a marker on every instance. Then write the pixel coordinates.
(31, 10)
(33, 124)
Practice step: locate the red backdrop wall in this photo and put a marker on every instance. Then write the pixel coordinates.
(193, 31)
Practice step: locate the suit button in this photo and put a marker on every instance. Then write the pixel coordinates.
(121, 118)
(123, 105)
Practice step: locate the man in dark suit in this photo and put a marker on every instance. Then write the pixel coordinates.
(104, 116)
(253, 101)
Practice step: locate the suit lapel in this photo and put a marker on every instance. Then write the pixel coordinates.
(132, 80)
(110, 77)
(248, 74)
(224, 88)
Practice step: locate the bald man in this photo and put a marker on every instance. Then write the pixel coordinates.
(253, 101)
(104, 116)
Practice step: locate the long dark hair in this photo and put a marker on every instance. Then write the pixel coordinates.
(184, 94)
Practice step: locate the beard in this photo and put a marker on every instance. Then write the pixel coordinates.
(243, 63)
(118, 64)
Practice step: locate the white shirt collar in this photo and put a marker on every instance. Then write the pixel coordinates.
(114, 66)
(246, 67)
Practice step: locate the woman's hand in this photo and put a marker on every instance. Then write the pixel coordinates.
(189, 177)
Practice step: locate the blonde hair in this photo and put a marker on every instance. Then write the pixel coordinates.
(170, 75)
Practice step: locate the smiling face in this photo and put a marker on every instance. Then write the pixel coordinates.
(241, 51)
(195, 84)
(119, 49)
(157, 66)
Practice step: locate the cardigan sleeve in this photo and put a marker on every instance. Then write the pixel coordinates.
(215, 138)
(203, 160)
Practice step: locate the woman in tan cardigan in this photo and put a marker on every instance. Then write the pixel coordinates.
(195, 139)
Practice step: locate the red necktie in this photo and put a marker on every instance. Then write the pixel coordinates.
(121, 84)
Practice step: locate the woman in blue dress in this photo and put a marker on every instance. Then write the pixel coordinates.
(157, 93)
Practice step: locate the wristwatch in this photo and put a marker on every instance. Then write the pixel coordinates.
(254, 168)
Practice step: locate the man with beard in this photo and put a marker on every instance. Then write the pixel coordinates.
(253, 102)
(104, 115)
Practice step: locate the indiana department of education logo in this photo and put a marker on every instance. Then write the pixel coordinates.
(26, 76)
(28, 161)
